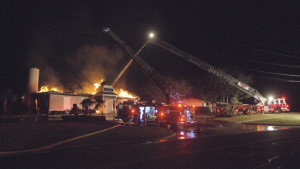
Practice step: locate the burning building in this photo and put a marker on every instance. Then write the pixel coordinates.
(52, 100)
(110, 101)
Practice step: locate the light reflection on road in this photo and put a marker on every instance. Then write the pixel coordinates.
(259, 128)
(196, 131)
(190, 133)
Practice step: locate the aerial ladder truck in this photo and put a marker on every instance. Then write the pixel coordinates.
(272, 105)
(265, 105)
(174, 112)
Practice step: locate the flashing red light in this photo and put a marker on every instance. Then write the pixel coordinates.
(287, 106)
(283, 98)
(181, 119)
(179, 105)
(194, 105)
(132, 111)
(162, 114)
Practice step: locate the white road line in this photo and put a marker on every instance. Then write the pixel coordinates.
(56, 144)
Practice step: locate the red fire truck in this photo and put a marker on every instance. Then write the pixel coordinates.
(274, 105)
(266, 105)
(173, 115)
(270, 105)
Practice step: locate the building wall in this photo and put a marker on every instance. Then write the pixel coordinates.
(64, 102)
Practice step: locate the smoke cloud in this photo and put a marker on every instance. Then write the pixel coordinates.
(74, 70)
(91, 63)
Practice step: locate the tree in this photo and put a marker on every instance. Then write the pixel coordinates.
(182, 86)
(219, 90)
(86, 104)
(7, 98)
(99, 102)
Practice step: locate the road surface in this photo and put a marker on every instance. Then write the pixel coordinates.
(250, 149)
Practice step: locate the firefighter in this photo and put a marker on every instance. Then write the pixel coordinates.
(75, 110)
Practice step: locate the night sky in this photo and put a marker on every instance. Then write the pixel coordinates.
(65, 39)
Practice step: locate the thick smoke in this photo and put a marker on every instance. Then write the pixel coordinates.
(40, 56)
(74, 70)
(91, 63)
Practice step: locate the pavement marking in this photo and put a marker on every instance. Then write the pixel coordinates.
(58, 143)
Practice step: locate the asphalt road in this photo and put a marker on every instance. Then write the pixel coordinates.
(268, 149)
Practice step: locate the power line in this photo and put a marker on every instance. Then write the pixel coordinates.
(283, 80)
(275, 53)
(275, 64)
(282, 74)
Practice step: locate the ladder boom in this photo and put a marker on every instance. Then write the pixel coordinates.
(168, 90)
(205, 66)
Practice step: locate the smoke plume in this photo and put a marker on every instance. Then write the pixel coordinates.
(74, 70)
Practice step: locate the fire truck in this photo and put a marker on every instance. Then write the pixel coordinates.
(174, 115)
(165, 113)
(265, 105)
(270, 105)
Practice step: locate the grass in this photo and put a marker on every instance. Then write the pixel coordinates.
(267, 119)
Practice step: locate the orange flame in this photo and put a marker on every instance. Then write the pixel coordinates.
(124, 93)
(46, 89)
(97, 85)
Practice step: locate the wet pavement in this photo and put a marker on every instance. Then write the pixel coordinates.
(208, 129)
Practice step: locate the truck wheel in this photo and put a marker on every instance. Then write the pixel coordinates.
(277, 110)
(240, 112)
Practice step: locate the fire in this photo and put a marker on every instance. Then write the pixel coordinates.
(124, 93)
(46, 89)
(97, 85)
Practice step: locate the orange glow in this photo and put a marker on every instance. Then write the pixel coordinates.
(179, 105)
(181, 119)
(283, 98)
(132, 111)
(194, 105)
(162, 114)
